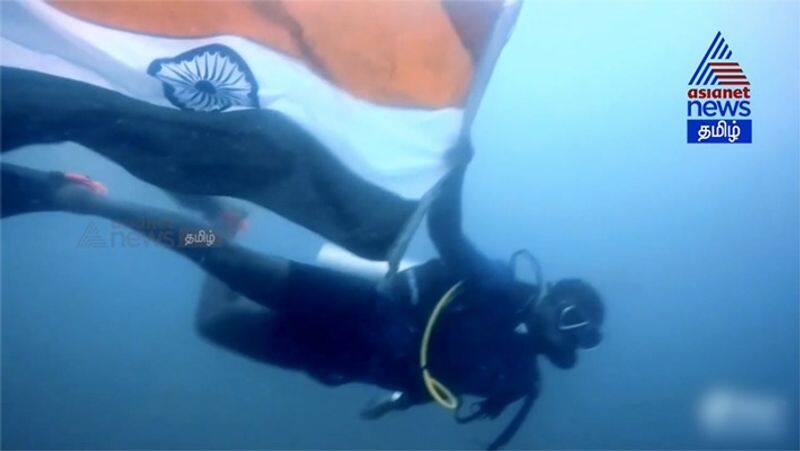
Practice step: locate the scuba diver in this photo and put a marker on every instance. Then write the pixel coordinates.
(456, 326)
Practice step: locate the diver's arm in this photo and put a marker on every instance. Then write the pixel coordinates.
(461, 258)
(257, 276)
(445, 224)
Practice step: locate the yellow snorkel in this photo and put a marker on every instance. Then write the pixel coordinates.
(438, 391)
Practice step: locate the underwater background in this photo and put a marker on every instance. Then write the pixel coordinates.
(580, 157)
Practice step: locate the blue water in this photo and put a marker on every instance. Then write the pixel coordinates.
(581, 157)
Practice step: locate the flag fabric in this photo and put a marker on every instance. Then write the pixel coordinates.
(386, 87)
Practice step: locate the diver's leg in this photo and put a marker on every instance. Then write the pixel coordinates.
(259, 277)
(218, 303)
(209, 206)
(27, 190)
(257, 155)
(331, 312)
(274, 282)
(183, 151)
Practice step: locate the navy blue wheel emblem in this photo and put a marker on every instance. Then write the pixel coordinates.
(209, 78)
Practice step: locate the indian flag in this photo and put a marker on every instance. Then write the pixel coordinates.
(386, 87)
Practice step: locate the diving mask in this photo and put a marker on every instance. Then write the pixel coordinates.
(574, 321)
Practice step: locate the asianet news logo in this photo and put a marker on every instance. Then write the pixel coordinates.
(722, 102)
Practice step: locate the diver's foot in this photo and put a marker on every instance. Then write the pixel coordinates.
(231, 221)
(93, 185)
(235, 219)
(78, 193)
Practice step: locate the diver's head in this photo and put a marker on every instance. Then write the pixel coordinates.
(570, 314)
(565, 316)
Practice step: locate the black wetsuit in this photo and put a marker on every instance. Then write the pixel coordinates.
(27, 190)
(474, 349)
(258, 155)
